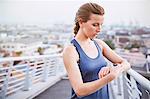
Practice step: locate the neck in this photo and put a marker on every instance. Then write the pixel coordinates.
(81, 37)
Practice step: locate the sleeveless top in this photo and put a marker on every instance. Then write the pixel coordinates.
(89, 68)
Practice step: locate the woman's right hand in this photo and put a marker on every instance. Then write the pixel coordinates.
(104, 71)
(114, 72)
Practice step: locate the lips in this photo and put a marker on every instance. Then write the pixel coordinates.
(96, 34)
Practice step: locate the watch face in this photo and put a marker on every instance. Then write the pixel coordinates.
(114, 64)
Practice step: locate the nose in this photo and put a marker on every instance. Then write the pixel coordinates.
(99, 28)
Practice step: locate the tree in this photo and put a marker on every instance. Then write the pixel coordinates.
(133, 45)
(40, 50)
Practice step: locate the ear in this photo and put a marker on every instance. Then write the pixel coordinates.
(80, 22)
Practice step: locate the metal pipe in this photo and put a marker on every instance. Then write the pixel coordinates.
(140, 79)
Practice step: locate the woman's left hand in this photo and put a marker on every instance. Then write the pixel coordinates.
(125, 65)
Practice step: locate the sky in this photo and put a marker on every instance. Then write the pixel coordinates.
(63, 11)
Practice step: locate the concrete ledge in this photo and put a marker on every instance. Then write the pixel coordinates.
(37, 88)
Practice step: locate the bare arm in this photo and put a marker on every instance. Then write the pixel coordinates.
(112, 56)
(70, 57)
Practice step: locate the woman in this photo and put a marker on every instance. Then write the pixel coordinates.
(84, 59)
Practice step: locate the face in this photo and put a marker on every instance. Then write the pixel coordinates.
(92, 27)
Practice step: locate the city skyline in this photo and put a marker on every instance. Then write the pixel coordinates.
(63, 11)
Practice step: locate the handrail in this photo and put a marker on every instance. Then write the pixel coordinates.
(140, 79)
(28, 57)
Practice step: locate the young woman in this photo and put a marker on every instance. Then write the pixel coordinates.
(84, 59)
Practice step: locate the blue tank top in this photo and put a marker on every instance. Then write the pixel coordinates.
(89, 68)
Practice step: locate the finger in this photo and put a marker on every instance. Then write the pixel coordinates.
(101, 71)
(101, 74)
(106, 71)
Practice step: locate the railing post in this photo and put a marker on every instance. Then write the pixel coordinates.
(147, 66)
(119, 86)
(126, 96)
(45, 70)
(5, 87)
(27, 82)
(51, 66)
(56, 68)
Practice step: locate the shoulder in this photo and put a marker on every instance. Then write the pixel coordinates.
(69, 49)
(101, 43)
(70, 52)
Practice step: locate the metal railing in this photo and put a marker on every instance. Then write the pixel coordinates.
(36, 69)
(131, 84)
(30, 71)
(135, 86)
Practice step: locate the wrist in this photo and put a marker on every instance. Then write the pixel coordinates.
(120, 67)
(125, 65)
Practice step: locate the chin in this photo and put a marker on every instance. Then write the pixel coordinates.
(95, 36)
(92, 38)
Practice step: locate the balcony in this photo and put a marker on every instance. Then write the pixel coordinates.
(40, 75)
